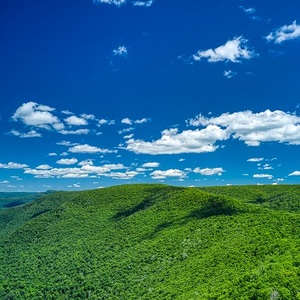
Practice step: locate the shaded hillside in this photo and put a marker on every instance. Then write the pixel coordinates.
(8, 200)
(149, 242)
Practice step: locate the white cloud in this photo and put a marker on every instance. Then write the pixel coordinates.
(13, 165)
(52, 154)
(255, 159)
(86, 162)
(29, 134)
(150, 165)
(67, 161)
(34, 114)
(141, 121)
(67, 112)
(255, 128)
(172, 142)
(248, 11)
(115, 2)
(159, 174)
(88, 116)
(209, 171)
(267, 176)
(43, 167)
(126, 121)
(129, 136)
(76, 121)
(229, 74)
(295, 173)
(88, 149)
(143, 3)
(125, 130)
(284, 33)
(76, 132)
(234, 51)
(120, 51)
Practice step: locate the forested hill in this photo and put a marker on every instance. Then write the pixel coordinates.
(153, 242)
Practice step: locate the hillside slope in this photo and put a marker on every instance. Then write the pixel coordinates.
(149, 242)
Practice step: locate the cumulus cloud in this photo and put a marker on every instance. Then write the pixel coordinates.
(67, 161)
(13, 165)
(255, 128)
(159, 174)
(126, 121)
(284, 33)
(295, 173)
(151, 165)
(233, 51)
(88, 149)
(209, 171)
(173, 142)
(34, 114)
(120, 51)
(76, 121)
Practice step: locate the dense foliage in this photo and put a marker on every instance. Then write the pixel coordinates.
(153, 242)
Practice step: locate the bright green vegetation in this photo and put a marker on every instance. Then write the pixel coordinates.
(153, 242)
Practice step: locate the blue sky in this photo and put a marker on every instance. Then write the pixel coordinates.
(107, 92)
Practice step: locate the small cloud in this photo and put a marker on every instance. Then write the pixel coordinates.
(248, 11)
(43, 167)
(267, 176)
(284, 33)
(151, 165)
(181, 159)
(88, 149)
(30, 134)
(158, 174)
(52, 154)
(255, 159)
(13, 165)
(209, 171)
(229, 74)
(295, 173)
(126, 121)
(75, 121)
(143, 3)
(115, 2)
(67, 161)
(75, 132)
(233, 51)
(120, 51)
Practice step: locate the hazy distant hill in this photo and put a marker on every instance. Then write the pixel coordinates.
(12, 199)
(153, 242)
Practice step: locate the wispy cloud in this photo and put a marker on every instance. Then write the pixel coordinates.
(234, 50)
(119, 3)
(229, 74)
(13, 165)
(284, 33)
(255, 159)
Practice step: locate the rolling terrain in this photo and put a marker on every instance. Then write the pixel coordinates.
(153, 242)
